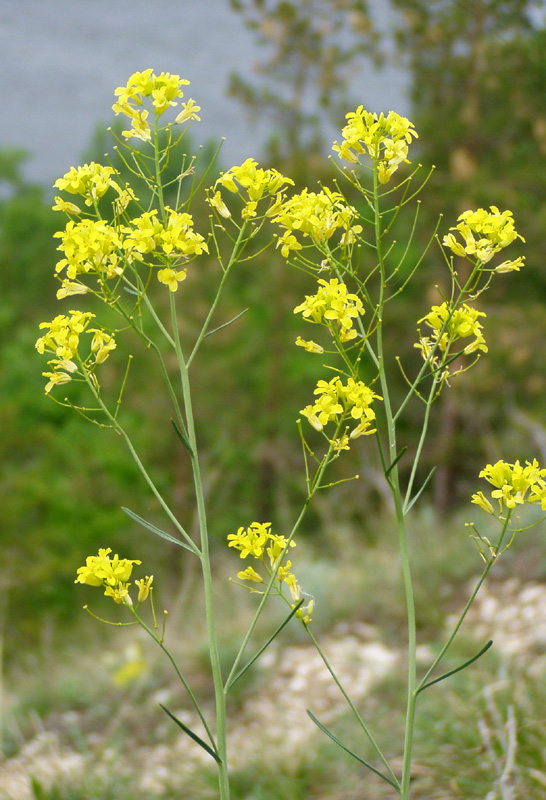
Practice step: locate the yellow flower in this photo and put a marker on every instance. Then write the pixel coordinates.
(257, 182)
(111, 573)
(144, 587)
(514, 484)
(189, 112)
(217, 203)
(483, 234)
(511, 266)
(250, 574)
(384, 139)
(163, 91)
(91, 181)
(481, 500)
(449, 325)
(314, 215)
(101, 345)
(64, 205)
(63, 334)
(69, 288)
(171, 277)
(334, 307)
(251, 541)
(310, 346)
(90, 246)
(335, 400)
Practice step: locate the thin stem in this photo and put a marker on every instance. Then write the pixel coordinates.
(394, 483)
(205, 565)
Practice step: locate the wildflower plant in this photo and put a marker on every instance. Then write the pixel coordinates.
(136, 259)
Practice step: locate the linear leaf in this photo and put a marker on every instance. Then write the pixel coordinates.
(395, 462)
(154, 529)
(260, 651)
(340, 744)
(225, 324)
(182, 436)
(193, 735)
(418, 495)
(457, 669)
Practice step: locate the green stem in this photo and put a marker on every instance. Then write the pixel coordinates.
(220, 697)
(395, 488)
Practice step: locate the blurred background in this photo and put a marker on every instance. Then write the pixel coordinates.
(275, 78)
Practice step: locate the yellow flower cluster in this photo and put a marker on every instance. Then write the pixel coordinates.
(255, 181)
(176, 237)
(63, 339)
(317, 215)
(162, 90)
(92, 181)
(484, 233)
(90, 246)
(335, 401)
(448, 326)
(113, 574)
(334, 307)
(384, 138)
(258, 541)
(514, 484)
(97, 247)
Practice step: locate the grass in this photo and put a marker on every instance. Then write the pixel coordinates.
(83, 720)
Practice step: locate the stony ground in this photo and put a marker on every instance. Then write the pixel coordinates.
(271, 716)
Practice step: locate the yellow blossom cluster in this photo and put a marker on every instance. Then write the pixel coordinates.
(449, 325)
(332, 306)
(384, 139)
(337, 401)
(162, 90)
(484, 233)
(316, 215)
(113, 574)
(176, 237)
(92, 181)
(515, 484)
(258, 541)
(94, 246)
(63, 339)
(256, 183)
(90, 246)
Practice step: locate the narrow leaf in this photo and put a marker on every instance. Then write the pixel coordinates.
(457, 669)
(395, 462)
(182, 436)
(193, 735)
(336, 740)
(225, 324)
(260, 651)
(154, 529)
(418, 495)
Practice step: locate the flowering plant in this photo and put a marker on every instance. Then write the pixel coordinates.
(139, 249)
